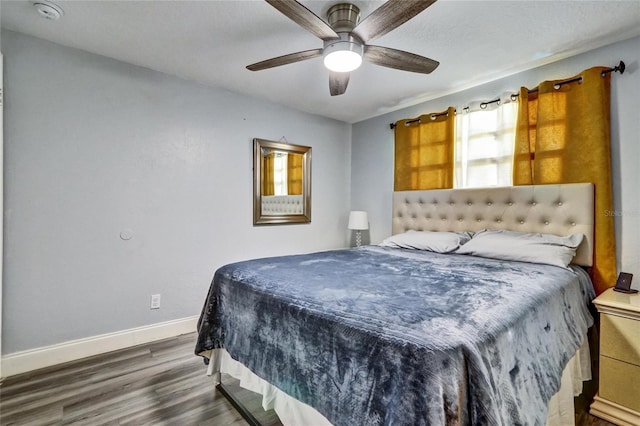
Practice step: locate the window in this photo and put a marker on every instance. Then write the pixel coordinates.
(280, 174)
(484, 144)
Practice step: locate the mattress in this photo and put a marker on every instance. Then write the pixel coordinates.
(390, 336)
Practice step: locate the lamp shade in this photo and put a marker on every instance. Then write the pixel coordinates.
(358, 220)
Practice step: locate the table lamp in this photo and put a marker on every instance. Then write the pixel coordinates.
(358, 221)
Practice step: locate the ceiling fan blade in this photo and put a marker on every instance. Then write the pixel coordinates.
(285, 59)
(388, 17)
(399, 59)
(338, 82)
(305, 18)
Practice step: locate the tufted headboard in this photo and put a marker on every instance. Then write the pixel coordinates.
(551, 209)
(282, 204)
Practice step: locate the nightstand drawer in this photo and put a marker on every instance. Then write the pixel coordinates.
(620, 338)
(620, 382)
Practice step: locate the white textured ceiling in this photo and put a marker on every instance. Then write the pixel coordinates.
(212, 41)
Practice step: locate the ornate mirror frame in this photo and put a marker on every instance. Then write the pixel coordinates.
(260, 214)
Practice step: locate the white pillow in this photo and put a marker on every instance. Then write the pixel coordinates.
(439, 242)
(535, 248)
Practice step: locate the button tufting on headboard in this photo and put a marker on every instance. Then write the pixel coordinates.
(558, 209)
(282, 204)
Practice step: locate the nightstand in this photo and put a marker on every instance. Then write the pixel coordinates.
(618, 398)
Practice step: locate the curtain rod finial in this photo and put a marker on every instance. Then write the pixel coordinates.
(618, 68)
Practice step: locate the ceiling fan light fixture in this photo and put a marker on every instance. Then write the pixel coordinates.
(342, 56)
(346, 39)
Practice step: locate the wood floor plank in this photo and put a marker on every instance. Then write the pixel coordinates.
(50, 376)
(160, 383)
(41, 416)
(74, 388)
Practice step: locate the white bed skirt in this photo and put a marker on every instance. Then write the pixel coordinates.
(295, 413)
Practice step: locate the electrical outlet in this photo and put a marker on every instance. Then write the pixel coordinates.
(155, 301)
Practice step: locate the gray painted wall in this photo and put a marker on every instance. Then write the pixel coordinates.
(372, 144)
(93, 147)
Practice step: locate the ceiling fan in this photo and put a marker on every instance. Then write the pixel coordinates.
(345, 39)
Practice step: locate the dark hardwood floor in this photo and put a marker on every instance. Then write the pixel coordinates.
(161, 383)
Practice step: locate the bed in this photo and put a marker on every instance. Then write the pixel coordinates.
(386, 335)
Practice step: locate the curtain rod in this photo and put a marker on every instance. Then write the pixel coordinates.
(618, 68)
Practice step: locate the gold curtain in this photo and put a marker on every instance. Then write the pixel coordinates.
(294, 174)
(424, 152)
(268, 186)
(563, 136)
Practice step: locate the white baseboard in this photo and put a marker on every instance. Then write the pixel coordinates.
(33, 359)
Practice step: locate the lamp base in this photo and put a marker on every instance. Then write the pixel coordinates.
(358, 238)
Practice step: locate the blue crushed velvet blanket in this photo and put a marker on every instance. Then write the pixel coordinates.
(385, 336)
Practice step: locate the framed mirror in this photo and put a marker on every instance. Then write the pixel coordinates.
(281, 183)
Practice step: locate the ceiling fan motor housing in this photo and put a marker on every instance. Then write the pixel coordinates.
(343, 17)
